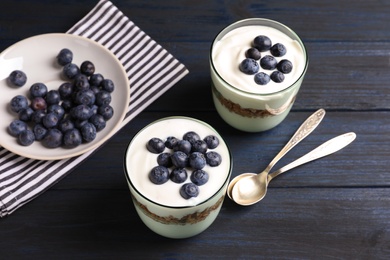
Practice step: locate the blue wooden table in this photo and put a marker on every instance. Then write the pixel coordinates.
(334, 208)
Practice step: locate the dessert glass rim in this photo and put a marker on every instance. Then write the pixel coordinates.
(164, 205)
(248, 20)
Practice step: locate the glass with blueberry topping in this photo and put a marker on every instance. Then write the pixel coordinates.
(177, 170)
(257, 68)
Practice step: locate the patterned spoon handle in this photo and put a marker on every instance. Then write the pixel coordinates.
(333, 145)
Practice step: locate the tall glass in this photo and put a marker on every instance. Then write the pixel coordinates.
(247, 110)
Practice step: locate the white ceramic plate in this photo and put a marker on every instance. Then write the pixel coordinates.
(36, 56)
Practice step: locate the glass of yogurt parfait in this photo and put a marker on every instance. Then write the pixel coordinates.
(177, 189)
(257, 67)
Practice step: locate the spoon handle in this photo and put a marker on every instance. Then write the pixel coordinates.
(333, 145)
(303, 131)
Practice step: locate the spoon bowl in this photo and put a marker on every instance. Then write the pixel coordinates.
(235, 180)
(250, 189)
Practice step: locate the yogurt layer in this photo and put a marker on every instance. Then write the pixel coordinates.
(228, 52)
(139, 162)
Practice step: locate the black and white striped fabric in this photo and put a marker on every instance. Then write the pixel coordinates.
(23, 179)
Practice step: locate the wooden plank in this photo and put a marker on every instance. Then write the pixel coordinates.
(314, 21)
(289, 223)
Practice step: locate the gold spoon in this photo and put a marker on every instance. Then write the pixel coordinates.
(303, 131)
(253, 187)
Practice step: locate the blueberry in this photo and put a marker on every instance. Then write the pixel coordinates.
(183, 146)
(50, 120)
(58, 110)
(164, 159)
(171, 142)
(94, 88)
(26, 138)
(253, 53)
(278, 50)
(212, 141)
(98, 121)
(81, 82)
(249, 66)
(17, 78)
(18, 103)
(65, 90)
(179, 159)
(178, 175)
(26, 114)
(85, 96)
(106, 111)
(53, 97)
(87, 68)
(213, 159)
(189, 190)
(155, 145)
(88, 132)
(38, 90)
(65, 125)
(16, 127)
(159, 175)
(39, 131)
(79, 123)
(268, 62)
(72, 138)
(96, 79)
(103, 98)
(199, 177)
(199, 146)
(262, 43)
(65, 56)
(37, 116)
(262, 78)
(67, 104)
(191, 136)
(81, 112)
(70, 70)
(38, 103)
(277, 76)
(94, 110)
(284, 66)
(53, 138)
(107, 85)
(197, 160)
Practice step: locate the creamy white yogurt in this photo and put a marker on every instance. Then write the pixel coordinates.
(139, 161)
(228, 53)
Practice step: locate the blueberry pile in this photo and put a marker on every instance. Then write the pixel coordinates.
(254, 61)
(67, 116)
(189, 153)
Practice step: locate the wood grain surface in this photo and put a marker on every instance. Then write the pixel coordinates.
(334, 208)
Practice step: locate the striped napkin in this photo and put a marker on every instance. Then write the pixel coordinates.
(23, 179)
